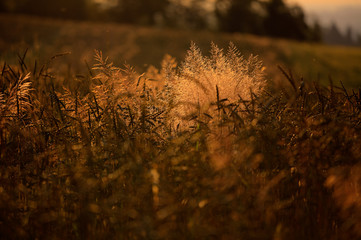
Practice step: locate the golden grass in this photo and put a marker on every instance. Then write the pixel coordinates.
(225, 77)
(96, 156)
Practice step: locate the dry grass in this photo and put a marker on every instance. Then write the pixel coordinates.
(98, 157)
(229, 77)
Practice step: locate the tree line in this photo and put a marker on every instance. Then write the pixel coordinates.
(262, 17)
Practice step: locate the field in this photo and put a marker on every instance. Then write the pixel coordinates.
(211, 144)
(141, 47)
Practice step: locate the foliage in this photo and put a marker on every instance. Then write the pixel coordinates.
(272, 17)
(286, 22)
(95, 157)
(236, 16)
(192, 15)
(139, 12)
(66, 9)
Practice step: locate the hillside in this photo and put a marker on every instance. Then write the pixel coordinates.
(140, 47)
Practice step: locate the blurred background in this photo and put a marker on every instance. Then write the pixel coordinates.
(334, 22)
(293, 33)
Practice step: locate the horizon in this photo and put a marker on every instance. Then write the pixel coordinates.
(344, 13)
(325, 4)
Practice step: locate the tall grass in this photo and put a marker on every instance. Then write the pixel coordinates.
(229, 77)
(102, 155)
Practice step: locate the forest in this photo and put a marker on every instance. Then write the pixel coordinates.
(271, 18)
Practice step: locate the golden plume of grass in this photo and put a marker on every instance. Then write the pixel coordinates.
(227, 76)
(17, 100)
(124, 96)
(110, 83)
(160, 83)
(113, 88)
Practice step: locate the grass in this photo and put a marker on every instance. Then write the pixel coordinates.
(141, 47)
(106, 154)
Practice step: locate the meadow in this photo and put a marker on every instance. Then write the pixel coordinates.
(208, 142)
(141, 47)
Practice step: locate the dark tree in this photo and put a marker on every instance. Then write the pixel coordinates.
(2, 6)
(333, 35)
(286, 22)
(358, 40)
(316, 32)
(191, 16)
(67, 9)
(273, 18)
(239, 16)
(349, 34)
(138, 12)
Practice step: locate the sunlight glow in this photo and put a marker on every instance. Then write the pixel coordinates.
(325, 3)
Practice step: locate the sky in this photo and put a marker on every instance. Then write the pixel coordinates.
(345, 13)
(308, 4)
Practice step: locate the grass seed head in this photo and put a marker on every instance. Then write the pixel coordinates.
(202, 78)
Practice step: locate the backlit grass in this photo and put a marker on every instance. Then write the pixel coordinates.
(100, 156)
